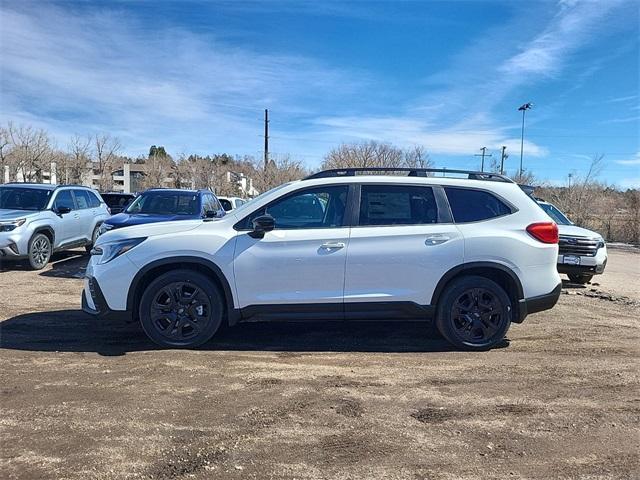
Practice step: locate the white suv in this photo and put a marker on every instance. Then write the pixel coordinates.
(473, 254)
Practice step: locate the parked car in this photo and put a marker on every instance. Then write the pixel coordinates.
(231, 203)
(164, 204)
(472, 254)
(582, 253)
(117, 201)
(37, 220)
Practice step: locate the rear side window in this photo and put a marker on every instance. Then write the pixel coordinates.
(86, 199)
(94, 201)
(468, 205)
(397, 205)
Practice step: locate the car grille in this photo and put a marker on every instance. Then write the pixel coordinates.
(581, 246)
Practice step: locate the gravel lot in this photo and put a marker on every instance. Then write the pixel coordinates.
(83, 399)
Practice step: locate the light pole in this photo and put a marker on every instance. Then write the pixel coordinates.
(524, 108)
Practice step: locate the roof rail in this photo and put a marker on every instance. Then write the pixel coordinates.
(412, 172)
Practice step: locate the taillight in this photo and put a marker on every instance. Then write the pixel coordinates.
(546, 232)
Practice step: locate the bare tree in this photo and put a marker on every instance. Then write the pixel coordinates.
(279, 170)
(106, 150)
(158, 168)
(5, 149)
(31, 152)
(363, 155)
(75, 164)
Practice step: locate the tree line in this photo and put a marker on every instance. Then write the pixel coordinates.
(28, 152)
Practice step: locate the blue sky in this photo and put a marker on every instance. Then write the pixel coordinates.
(196, 76)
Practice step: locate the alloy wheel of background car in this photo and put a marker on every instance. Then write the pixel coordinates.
(94, 237)
(474, 313)
(181, 309)
(39, 251)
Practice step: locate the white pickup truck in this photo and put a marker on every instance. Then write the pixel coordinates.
(582, 253)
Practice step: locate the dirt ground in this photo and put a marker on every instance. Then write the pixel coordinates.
(83, 399)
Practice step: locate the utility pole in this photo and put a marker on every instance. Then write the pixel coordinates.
(483, 154)
(524, 108)
(502, 159)
(266, 138)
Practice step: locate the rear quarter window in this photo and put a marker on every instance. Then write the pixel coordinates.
(469, 205)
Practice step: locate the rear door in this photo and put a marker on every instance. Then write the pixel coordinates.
(401, 245)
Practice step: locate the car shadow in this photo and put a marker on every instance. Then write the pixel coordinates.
(568, 284)
(71, 264)
(75, 331)
(66, 264)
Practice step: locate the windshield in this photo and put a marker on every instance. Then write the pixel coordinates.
(166, 203)
(240, 210)
(555, 214)
(20, 198)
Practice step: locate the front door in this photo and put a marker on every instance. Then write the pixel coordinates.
(68, 224)
(302, 260)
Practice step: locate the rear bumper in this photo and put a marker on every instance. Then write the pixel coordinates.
(94, 303)
(527, 306)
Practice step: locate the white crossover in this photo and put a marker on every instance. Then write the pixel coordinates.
(473, 254)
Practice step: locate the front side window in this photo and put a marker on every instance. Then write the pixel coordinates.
(321, 207)
(397, 205)
(64, 200)
(165, 203)
(19, 198)
(469, 205)
(210, 204)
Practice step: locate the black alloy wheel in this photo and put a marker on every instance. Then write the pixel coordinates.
(181, 309)
(474, 313)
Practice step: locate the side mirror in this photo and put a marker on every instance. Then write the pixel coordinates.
(262, 225)
(62, 210)
(210, 214)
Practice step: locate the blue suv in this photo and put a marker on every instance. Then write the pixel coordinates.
(163, 205)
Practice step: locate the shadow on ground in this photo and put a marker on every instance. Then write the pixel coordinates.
(75, 331)
(68, 264)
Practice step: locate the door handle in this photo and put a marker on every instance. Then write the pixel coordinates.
(436, 239)
(332, 245)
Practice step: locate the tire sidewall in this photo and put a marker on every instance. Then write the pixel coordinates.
(580, 278)
(444, 321)
(94, 237)
(188, 276)
(30, 259)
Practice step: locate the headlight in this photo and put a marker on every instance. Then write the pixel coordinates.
(105, 227)
(11, 224)
(109, 251)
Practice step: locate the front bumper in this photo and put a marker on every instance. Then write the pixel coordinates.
(94, 303)
(527, 306)
(14, 244)
(593, 265)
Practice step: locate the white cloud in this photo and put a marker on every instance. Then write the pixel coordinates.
(75, 72)
(630, 161)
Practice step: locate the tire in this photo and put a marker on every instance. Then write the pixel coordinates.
(581, 278)
(94, 237)
(469, 324)
(39, 251)
(181, 309)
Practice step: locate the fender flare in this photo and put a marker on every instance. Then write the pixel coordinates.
(185, 259)
(473, 265)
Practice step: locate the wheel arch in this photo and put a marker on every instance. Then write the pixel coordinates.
(152, 270)
(501, 274)
(48, 231)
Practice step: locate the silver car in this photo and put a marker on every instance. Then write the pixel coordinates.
(39, 219)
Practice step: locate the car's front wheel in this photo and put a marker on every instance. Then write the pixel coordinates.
(181, 309)
(580, 278)
(474, 313)
(39, 251)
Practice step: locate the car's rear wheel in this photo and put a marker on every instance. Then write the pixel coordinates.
(94, 237)
(181, 309)
(580, 278)
(474, 313)
(39, 251)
